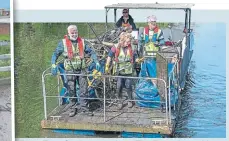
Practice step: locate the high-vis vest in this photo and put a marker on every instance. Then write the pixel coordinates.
(74, 55)
(123, 60)
(155, 37)
(149, 43)
(125, 24)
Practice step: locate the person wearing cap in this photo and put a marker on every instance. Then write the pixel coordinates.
(153, 38)
(73, 49)
(124, 57)
(152, 33)
(126, 20)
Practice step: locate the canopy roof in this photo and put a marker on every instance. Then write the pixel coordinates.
(150, 6)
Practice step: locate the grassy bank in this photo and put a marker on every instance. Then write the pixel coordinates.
(4, 50)
(34, 44)
(4, 37)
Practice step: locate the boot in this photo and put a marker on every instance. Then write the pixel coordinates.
(72, 103)
(73, 112)
(120, 101)
(120, 105)
(130, 104)
(73, 107)
(163, 109)
(62, 101)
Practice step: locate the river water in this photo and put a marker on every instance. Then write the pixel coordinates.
(203, 113)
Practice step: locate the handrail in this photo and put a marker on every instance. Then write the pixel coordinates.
(45, 73)
(5, 57)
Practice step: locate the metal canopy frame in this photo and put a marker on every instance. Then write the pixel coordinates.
(162, 6)
(150, 6)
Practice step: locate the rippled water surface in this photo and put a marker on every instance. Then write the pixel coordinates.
(203, 111)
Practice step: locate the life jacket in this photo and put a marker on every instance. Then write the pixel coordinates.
(67, 43)
(129, 53)
(156, 33)
(75, 55)
(149, 43)
(125, 24)
(123, 60)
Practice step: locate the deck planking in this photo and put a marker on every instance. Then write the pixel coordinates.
(135, 119)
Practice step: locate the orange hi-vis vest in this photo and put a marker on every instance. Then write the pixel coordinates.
(75, 55)
(156, 34)
(70, 47)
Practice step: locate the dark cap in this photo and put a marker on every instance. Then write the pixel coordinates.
(126, 10)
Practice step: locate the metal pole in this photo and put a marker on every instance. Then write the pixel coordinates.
(171, 35)
(88, 32)
(189, 20)
(186, 16)
(174, 94)
(104, 99)
(115, 10)
(44, 96)
(169, 104)
(94, 32)
(58, 88)
(166, 105)
(189, 31)
(106, 18)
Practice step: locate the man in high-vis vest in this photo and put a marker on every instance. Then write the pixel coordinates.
(123, 65)
(73, 49)
(126, 20)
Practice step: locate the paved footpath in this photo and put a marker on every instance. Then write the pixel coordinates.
(5, 114)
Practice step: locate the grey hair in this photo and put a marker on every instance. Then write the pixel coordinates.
(72, 27)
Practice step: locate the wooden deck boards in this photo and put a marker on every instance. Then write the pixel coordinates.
(134, 119)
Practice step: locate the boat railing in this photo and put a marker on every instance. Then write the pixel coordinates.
(51, 87)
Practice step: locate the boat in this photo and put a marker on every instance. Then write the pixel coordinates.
(146, 118)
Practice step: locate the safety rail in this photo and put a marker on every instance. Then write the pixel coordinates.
(5, 57)
(167, 102)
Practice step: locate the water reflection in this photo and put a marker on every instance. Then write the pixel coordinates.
(203, 110)
(186, 111)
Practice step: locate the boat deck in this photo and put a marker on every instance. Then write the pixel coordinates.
(135, 119)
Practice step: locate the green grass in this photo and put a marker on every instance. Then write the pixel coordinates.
(4, 37)
(34, 45)
(4, 74)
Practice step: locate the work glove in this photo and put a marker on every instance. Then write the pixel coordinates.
(139, 60)
(54, 69)
(107, 68)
